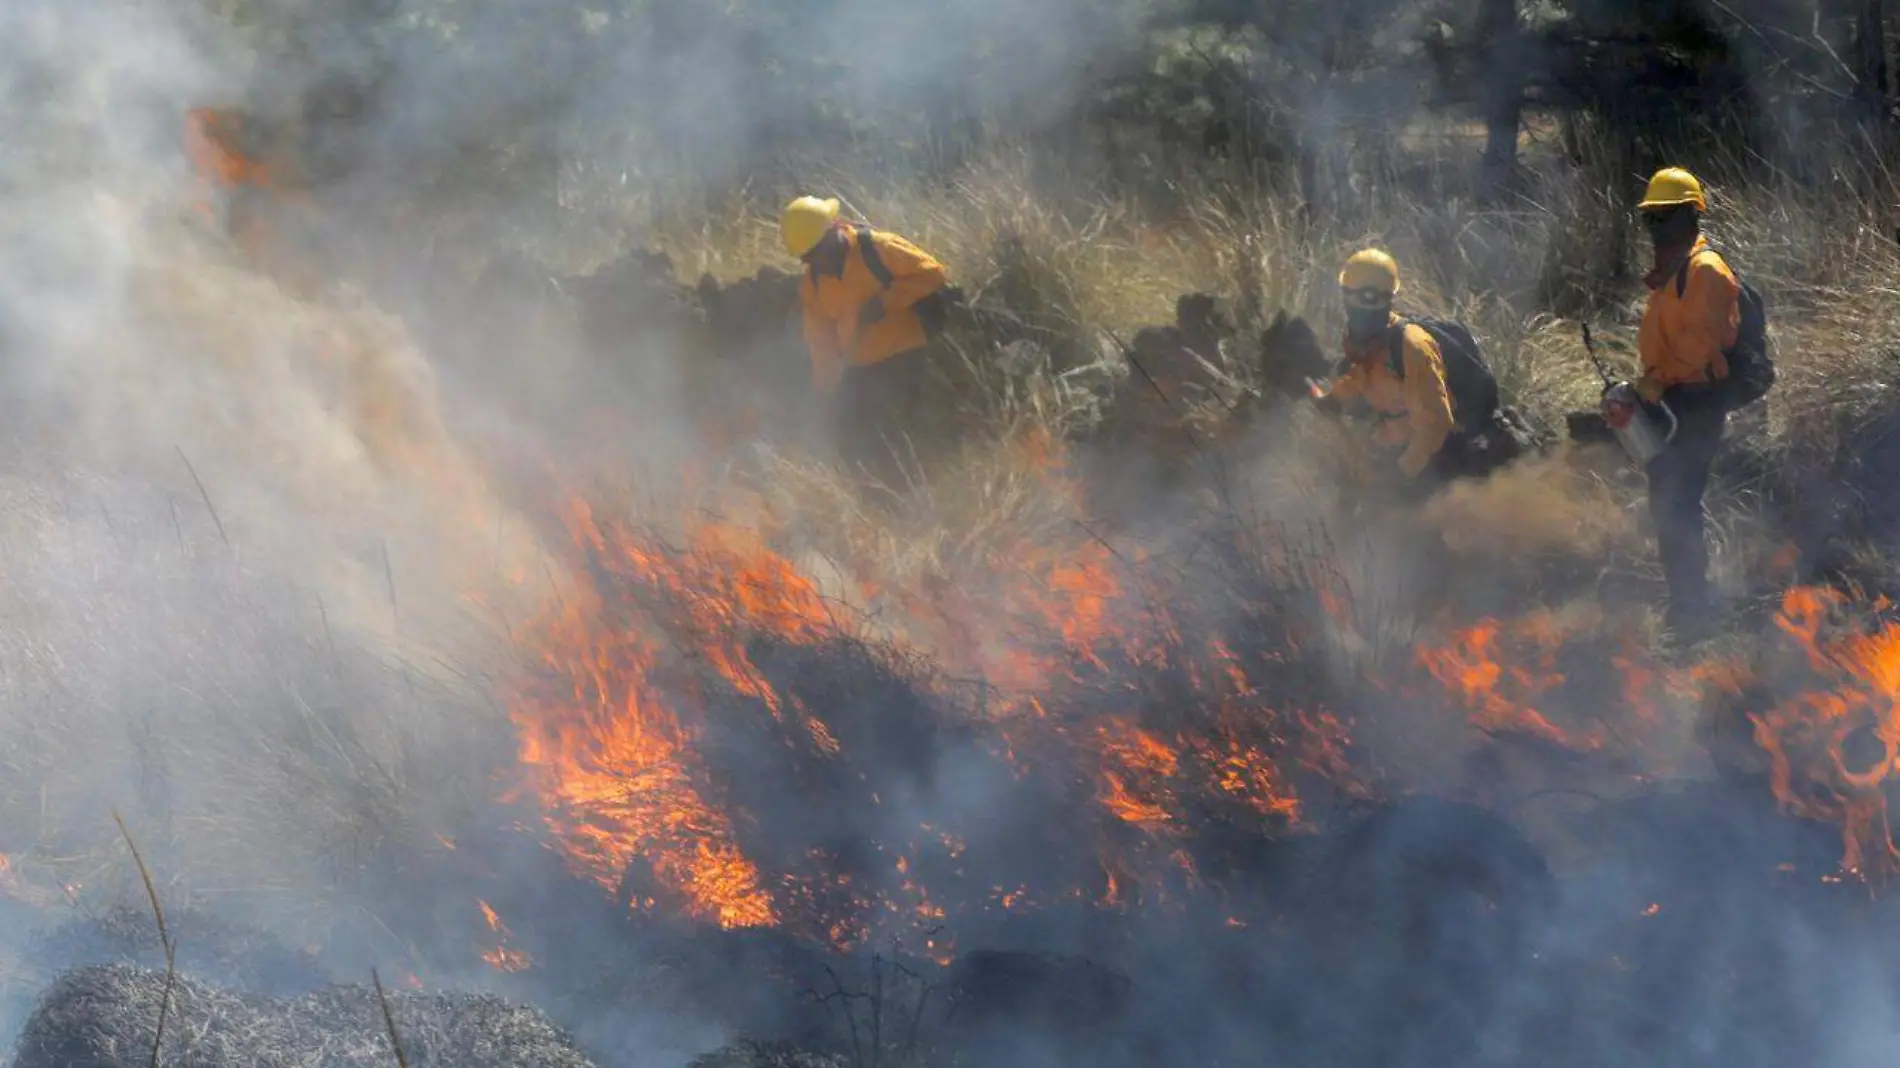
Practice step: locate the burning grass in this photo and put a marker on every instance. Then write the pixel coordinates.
(713, 739)
(1833, 723)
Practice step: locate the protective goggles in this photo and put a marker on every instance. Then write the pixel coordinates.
(1367, 297)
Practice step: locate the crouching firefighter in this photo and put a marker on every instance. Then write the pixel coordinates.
(872, 304)
(1431, 395)
(1704, 353)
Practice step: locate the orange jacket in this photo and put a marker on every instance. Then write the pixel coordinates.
(1683, 336)
(1415, 412)
(832, 306)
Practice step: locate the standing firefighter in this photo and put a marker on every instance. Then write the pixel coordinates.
(1704, 351)
(1429, 390)
(871, 305)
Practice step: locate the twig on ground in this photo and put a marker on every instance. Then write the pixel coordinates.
(389, 1020)
(206, 494)
(389, 579)
(177, 527)
(164, 938)
(323, 613)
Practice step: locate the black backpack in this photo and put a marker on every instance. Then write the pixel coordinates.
(1473, 388)
(1751, 369)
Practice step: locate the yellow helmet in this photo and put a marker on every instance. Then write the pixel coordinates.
(804, 222)
(1672, 187)
(1370, 269)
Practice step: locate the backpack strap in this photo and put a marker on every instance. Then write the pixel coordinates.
(1395, 357)
(1682, 272)
(873, 261)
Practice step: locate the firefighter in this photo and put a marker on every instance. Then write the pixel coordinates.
(1412, 408)
(871, 303)
(1690, 322)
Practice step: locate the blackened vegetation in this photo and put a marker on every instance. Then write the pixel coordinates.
(213, 948)
(750, 1053)
(1421, 932)
(1433, 933)
(101, 1017)
(1003, 1004)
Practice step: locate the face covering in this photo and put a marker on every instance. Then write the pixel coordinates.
(1671, 233)
(1366, 322)
(1671, 230)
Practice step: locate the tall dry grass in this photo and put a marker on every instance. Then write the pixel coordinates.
(1525, 275)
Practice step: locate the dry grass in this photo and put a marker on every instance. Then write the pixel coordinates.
(1571, 528)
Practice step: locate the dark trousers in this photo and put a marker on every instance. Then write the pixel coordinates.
(1459, 457)
(1678, 478)
(1463, 455)
(876, 421)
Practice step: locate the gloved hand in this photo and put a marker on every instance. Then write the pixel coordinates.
(872, 313)
(1649, 389)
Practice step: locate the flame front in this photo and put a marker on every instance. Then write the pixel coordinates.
(643, 732)
(697, 707)
(618, 776)
(1833, 745)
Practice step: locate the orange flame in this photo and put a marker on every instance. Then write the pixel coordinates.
(618, 775)
(502, 957)
(636, 661)
(1832, 750)
(1502, 678)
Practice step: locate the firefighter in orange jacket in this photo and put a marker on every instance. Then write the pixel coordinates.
(1413, 413)
(868, 299)
(1690, 322)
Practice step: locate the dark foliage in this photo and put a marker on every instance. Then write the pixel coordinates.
(210, 947)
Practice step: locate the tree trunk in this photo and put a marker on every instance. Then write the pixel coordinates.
(1870, 64)
(1502, 94)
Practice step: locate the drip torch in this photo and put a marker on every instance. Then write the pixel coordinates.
(1642, 429)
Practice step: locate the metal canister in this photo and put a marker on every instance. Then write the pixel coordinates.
(1643, 430)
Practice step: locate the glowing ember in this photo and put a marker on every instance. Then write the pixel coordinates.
(502, 957)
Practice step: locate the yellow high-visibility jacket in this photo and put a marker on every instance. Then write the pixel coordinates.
(1684, 335)
(1414, 412)
(832, 305)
